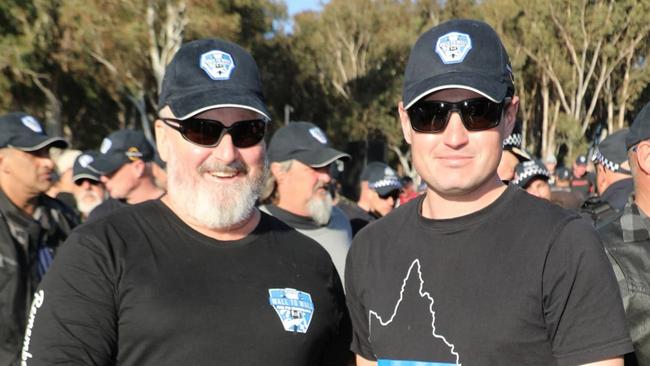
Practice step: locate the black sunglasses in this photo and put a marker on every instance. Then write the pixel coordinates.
(208, 133)
(477, 114)
(394, 194)
(81, 181)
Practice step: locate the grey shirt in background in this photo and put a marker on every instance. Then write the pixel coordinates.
(335, 237)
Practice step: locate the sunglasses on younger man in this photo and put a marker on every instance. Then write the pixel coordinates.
(208, 133)
(478, 114)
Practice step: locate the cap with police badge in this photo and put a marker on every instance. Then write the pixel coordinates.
(211, 73)
(640, 129)
(121, 147)
(82, 168)
(581, 159)
(460, 53)
(526, 171)
(381, 178)
(611, 153)
(24, 132)
(305, 142)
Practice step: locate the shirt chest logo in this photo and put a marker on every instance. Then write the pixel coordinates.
(294, 308)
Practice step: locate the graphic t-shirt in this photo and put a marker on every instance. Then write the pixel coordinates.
(520, 282)
(140, 287)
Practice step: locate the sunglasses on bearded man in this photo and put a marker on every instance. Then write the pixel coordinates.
(208, 132)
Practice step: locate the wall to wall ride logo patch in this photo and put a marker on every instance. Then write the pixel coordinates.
(294, 308)
(453, 47)
(217, 64)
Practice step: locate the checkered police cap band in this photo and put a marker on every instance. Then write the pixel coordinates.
(386, 182)
(599, 158)
(529, 169)
(514, 139)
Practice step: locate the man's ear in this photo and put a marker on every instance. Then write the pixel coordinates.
(162, 141)
(278, 172)
(405, 121)
(510, 116)
(643, 156)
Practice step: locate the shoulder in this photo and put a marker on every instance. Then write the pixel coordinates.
(386, 229)
(105, 208)
(124, 218)
(290, 241)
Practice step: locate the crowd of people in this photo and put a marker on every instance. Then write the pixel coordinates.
(206, 246)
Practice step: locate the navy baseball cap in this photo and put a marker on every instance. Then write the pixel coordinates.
(526, 171)
(381, 178)
(612, 152)
(459, 53)
(24, 132)
(208, 74)
(305, 142)
(121, 147)
(581, 159)
(82, 168)
(640, 129)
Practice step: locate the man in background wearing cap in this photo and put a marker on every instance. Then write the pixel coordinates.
(63, 186)
(561, 192)
(297, 188)
(379, 192)
(533, 176)
(125, 162)
(627, 240)
(476, 272)
(32, 225)
(88, 189)
(199, 277)
(581, 180)
(614, 181)
(551, 165)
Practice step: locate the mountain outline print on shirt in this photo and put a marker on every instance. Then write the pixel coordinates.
(406, 326)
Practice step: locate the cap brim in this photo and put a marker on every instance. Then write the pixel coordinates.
(107, 164)
(85, 176)
(202, 100)
(521, 154)
(38, 142)
(478, 83)
(321, 157)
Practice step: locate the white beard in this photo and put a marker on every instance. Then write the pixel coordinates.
(320, 209)
(209, 204)
(86, 205)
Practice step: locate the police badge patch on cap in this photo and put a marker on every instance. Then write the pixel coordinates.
(106, 145)
(31, 123)
(294, 308)
(85, 160)
(217, 64)
(318, 135)
(453, 47)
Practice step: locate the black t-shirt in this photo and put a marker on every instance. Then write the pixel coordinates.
(106, 208)
(520, 282)
(140, 287)
(359, 218)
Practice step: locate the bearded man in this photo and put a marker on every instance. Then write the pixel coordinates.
(298, 191)
(200, 275)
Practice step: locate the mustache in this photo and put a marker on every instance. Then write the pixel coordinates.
(319, 185)
(215, 166)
